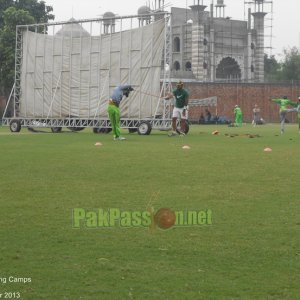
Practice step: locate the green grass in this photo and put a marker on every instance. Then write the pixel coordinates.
(251, 251)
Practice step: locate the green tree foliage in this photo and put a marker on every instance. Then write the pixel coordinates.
(291, 64)
(286, 70)
(4, 4)
(38, 9)
(11, 17)
(271, 67)
(14, 13)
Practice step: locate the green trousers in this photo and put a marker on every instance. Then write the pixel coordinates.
(238, 120)
(114, 117)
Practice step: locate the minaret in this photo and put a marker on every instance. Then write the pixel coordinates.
(220, 9)
(109, 22)
(259, 17)
(144, 15)
(212, 44)
(198, 38)
(159, 9)
(250, 49)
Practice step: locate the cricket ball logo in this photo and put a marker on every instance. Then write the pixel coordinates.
(164, 218)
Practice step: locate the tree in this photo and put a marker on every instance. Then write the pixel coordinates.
(286, 70)
(291, 64)
(38, 9)
(271, 67)
(11, 17)
(12, 13)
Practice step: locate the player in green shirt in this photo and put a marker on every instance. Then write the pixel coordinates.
(283, 103)
(180, 108)
(238, 116)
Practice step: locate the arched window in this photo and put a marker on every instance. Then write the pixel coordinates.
(228, 69)
(176, 44)
(188, 66)
(176, 66)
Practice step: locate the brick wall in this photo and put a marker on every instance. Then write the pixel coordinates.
(245, 95)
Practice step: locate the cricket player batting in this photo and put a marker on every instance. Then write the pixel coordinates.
(114, 110)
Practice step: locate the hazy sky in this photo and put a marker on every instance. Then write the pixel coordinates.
(285, 25)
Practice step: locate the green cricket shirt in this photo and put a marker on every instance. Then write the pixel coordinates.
(180, 97)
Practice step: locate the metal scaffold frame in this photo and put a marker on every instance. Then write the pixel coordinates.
(35, 114)
(267, 7)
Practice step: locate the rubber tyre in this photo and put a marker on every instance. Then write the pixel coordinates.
(56, 129)
(15, 126)
(75, 128)
(187, 127)
(144, 128)
(132, 130)
(102, 130)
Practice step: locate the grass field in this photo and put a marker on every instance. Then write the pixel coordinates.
(250, 251)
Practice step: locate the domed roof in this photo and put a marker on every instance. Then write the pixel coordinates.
(72, 30)
(144, 10)
(109, 18)
(109, 14)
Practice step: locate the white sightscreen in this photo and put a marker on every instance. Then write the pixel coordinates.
(63, 76)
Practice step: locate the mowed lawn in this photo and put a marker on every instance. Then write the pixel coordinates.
(250, 251)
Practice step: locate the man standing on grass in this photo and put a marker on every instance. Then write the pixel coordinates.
(298, 111)
(283, 103)
(180, 108)
(238, 116)
(256, 116)
(114, 110)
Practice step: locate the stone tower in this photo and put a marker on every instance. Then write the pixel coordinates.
(198, 38)
(258, 36)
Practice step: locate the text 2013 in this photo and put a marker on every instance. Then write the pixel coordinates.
(10, 295)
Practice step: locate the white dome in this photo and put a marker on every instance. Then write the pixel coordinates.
(144, 10)
(72, 29)
(109, 16)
